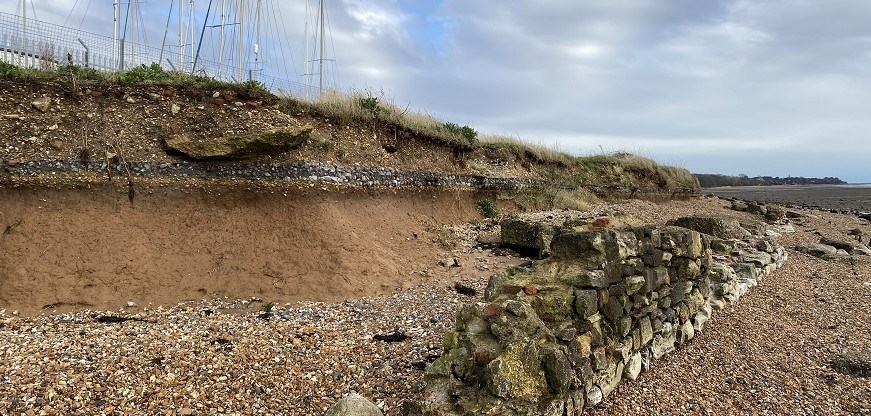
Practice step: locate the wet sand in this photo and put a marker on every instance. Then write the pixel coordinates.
(855, 198)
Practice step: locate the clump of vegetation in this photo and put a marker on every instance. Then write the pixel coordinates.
(325, 145)
(466, 132)
(370, 105)
(142, 74)
(488, 208)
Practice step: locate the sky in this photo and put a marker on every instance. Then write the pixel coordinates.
(779, 87)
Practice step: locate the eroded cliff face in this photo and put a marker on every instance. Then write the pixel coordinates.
(560, 335)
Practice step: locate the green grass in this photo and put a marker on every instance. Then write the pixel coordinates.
(141, 75)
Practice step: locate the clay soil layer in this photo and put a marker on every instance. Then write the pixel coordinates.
(92, 248)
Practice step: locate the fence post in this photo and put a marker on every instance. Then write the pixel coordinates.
(121, 62)
(86, 51)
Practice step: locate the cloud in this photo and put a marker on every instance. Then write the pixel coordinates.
(716, 84)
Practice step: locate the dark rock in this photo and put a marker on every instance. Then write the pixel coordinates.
(557, 371)
(586, 302)
(112, 319)
(585, 246)
(396, 336)
(465, 290)
(853, 363)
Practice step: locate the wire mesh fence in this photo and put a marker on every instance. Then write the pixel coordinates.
(31, 43)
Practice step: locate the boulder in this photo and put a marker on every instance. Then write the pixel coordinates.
(717, 226)
(757, 208)
(585, 246)
(528, 235)
(513, 374)
(863, 250)
(823, 251)
(816, 250)
(840, 245)
(739, 205)
(354, 405)
(238, 147)
(774, 213)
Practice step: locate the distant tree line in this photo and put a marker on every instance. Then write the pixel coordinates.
(711, 180)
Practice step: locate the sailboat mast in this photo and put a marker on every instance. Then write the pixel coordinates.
(133, 28)
(117, 16)
(24, 20)
(241, 39)
(321, 51)
(257, 44)
(221, 52)
(165, 31)
(191, 27)
(180, 50)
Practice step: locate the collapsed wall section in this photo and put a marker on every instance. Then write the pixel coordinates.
(560, 335)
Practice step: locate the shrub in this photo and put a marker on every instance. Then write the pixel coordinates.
(325, 145)
(466, 132)
(370, 105)
(255, 86)
(488, 208)
(142, 73)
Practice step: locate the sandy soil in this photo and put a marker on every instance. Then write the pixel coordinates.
(92, 248)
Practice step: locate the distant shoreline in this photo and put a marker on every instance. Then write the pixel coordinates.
(844, 198)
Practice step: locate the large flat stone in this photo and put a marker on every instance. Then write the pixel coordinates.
(717, 226)
(238, 147)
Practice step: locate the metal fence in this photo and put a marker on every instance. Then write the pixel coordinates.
(32, 43)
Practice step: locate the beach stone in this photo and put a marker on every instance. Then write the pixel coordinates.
(816, 250)
(717, 226)
(686, 332)
(528, 235)
(840, 245)
(757, 208)
(594, 396)
(857, 363)
(862, 250)
(354, 405)
(739, 205)
(632, 369)
(774, 212)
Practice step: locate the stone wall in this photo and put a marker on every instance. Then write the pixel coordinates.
(560, 335)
